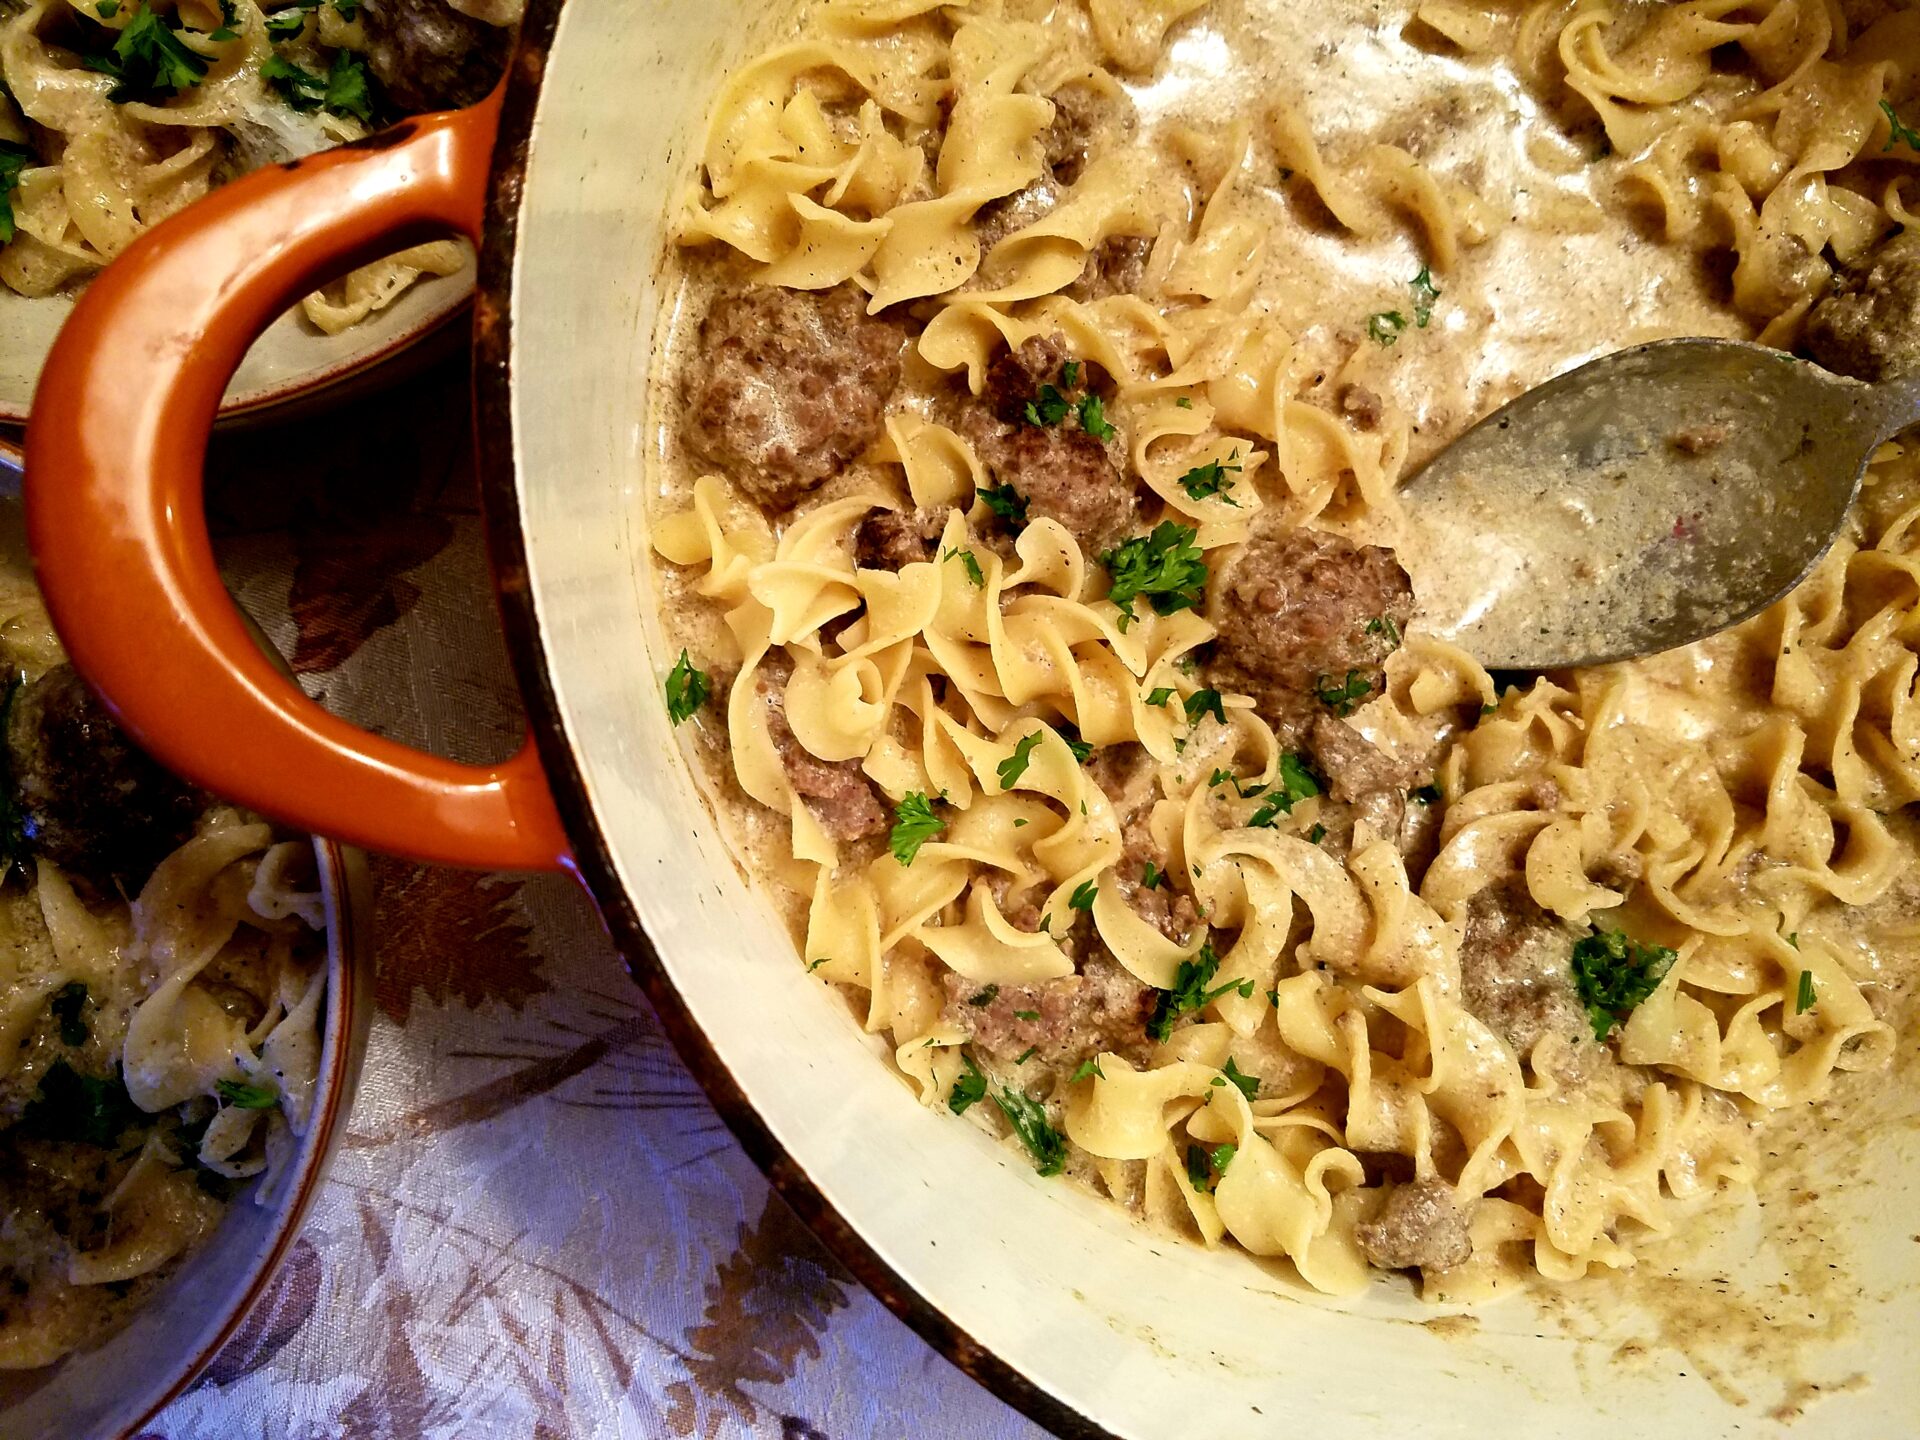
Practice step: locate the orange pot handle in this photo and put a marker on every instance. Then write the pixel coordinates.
(116, 443)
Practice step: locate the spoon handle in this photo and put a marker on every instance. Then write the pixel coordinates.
(1897, 405)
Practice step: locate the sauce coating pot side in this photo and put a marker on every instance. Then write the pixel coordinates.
(1090, 1324)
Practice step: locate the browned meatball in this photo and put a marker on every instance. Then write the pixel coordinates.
(787, 386)
(1420, 1226)
(889, 539)
(1869, 327)
(1062, 472)
(1516, 969)
(89, 800)
(429, 56)
(838, 793)
(1307, 620)
(1116, 266)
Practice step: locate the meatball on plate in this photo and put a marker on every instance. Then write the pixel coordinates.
(115, 115)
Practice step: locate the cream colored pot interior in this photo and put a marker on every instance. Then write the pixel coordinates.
(1140, 1334)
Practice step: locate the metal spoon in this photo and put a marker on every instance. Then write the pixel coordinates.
(1643, 501)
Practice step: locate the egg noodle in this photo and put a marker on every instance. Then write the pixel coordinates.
(248, 88)
(1737, 802)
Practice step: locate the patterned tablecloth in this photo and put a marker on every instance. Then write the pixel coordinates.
(536, 1226)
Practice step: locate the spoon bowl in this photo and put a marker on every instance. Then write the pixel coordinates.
(1643, 501)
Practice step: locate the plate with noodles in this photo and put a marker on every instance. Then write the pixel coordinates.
(177, 1037)
(946, 472)
(115, 114)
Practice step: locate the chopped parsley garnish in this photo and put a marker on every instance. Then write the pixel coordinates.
(67, 1003)
(1227, 777)
(1015, 765)
(1425, 794)
(107, 9)
(914, 823)
(1026, 1014)
(1794, 939)
(148, 60)
(243, 1096)
(1247, 1085)
(1160, 696)
(984, 998)
(1190, 992)
(1080, 748)
(1088, 1068)
(1006, 502)
(1083, 896)
(1384, 625)
(13, 159)
(1026, 1055)
(1316, 834)
(1212, 479)
(970, 562)
(1049, 407)
(1070, 374)
(968, 1089)
(1295, 783)
(300, 88)
(1425, 292)
(287, 24)
(1202, 702)
(1344, 697)
(687, 689)
(349, 87)
(1093, 418)
(1029, 1120)
(86, 1108)
(1165, 567)
(1204, 1164)
(1185, 402)
(1613, 973)
(1900, 133)
(349, 9)
(1803, 1001)
(814, 965)
(1385, 327)
(1152, 876)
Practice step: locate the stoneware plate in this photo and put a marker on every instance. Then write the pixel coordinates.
(111, 1391)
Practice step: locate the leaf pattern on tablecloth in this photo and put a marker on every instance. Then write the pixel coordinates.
(289, 1300)
(350, 582)
(397, 1402)
(450, 935)
(768, 1304)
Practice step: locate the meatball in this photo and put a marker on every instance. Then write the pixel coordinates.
(1307, 620)
(1063, 473)
(1869, 327)
(890, 539)
(1516, 969)
(1420, 1226)
(88, 799)
(429, 56)
(1116, 266)
(1100, 1009)
(787, 386)
(838, 793)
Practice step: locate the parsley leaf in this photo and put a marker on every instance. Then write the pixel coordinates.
(286, 25)
(1384, 625)
(1803, 1000)
(984, 998)
(1006, 502)
(1160, 696)
(107, 9)
(1026, 1015)
(1049, 407)
(1385, 327)
(13, 159)
(687, 686)
(89, 1109)
(350, 87)
(1425, 292)
(1152, 876)
(1165, 566)
(349, 9)
(1088, 1067)
(1212, 479)
(914, 823)
(1203, 702)
(1070, 374)
(301, 89)
(1247, 1085)
(816, 964)
(148, 60)
(970, 562)
(1082, 898)
(1190, 993)
(67, 1003)
(1015, 765)
(1294, 784)
(1093, 418)
(1029, 1120)
(1316, 834)
(1223, 1157)
(1080, 748)
(1899, 133)
(1203, 1164)
(242, 1096)
(1614, 973)
(1026, 1055)
(1345, 697)
(968, 1089)
(1185, 402)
